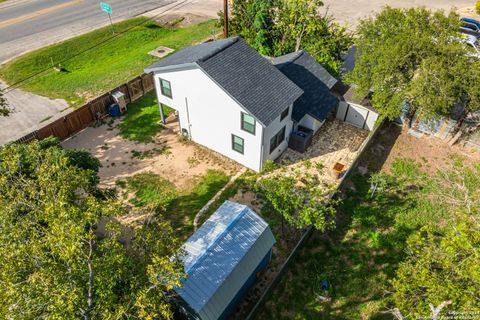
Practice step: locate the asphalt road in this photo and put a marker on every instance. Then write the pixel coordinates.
(26, 25)
(349, 12)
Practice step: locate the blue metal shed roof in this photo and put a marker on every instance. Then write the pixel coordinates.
(221, 255)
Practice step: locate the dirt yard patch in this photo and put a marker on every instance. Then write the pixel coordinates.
(394, 142)
(178, 161)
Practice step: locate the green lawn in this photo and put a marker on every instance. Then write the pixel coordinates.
(142, 121)
(109, 64)
(360, 256)
(179, 207)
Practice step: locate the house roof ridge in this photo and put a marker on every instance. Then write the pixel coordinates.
(216, 51)
(291, 58)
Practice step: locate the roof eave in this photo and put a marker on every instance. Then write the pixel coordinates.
(175, 67)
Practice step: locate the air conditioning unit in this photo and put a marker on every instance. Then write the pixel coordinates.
(119, 97)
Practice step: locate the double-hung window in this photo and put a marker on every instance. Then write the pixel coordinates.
(166, 88)
(237, 143)
(248, 123)
(284, 114)
(277, 139)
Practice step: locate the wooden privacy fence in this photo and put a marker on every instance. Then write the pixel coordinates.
(253, 314)
(82, 117)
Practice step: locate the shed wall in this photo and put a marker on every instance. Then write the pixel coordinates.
(233, 284)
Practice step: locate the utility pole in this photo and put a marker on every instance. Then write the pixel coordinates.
(111, 23)
(225, 18)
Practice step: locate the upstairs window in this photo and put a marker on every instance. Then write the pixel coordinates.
(248, 123)
(284, 114)
(166, 88)
(237, 143)
(277, 139)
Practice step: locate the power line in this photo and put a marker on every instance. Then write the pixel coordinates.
(19, 83)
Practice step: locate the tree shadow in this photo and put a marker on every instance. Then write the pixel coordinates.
(357, 257)
(375, 156)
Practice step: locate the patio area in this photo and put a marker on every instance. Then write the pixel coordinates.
(334, 148)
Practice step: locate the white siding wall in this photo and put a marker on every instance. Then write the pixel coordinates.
(357, 115)
(212, 117)
(372, 118)
(311, 123)
(272, 130)
(342, 110)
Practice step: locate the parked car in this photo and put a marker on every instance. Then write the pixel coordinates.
(472, 41)
(471, 21)
(470, 26)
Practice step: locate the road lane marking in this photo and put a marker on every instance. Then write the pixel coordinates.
(38, 13)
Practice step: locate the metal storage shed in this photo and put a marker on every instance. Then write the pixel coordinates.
(222, 260)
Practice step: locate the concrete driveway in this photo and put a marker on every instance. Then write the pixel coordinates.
(350, 12)
(30, 112)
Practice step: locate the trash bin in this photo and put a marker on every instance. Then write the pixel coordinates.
(114, 110)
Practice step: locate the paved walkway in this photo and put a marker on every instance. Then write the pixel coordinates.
(202, 211)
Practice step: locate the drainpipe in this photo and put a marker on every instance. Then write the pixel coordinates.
(162, 114)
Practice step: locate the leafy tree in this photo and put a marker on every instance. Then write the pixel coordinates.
(477, 7)
(442, 266)
(414, 57)
(64, 253)
(299, 197)
(253, 21)
(4, 107)
(278, 27)
(300, 26)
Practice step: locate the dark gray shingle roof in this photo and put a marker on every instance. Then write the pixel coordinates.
(314, 80)
(349, 60)
(192, 54)
(243, 73)
(364, 101)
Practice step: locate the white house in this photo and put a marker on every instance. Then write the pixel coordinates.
(234, 101)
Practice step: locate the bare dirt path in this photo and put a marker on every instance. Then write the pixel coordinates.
(432, 154)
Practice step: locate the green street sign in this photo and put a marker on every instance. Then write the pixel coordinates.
(106, 7)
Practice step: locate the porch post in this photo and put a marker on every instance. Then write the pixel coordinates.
(162, 114)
